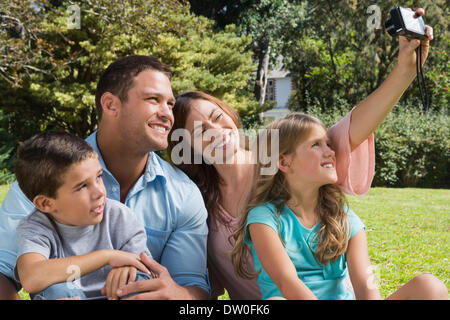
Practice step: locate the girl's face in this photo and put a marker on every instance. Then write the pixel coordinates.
(313, 162)
(213, 133)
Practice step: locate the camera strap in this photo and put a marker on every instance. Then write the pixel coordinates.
(420, 80)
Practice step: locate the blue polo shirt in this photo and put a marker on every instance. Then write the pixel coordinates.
(165, 201)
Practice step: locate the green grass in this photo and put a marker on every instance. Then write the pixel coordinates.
(407, 231)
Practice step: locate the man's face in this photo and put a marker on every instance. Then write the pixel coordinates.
(146, 117)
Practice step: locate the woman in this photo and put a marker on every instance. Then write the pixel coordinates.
(226, 184)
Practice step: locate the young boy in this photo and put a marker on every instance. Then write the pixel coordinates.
(75, 230)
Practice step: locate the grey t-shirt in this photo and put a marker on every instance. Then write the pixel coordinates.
(119, 229)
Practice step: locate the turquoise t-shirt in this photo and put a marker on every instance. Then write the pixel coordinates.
(327, 282)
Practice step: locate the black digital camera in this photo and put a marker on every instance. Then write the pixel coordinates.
(404, 22)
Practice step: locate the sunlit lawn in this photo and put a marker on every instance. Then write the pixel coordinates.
(407, 231)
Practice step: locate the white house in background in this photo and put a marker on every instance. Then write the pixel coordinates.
(279, 89)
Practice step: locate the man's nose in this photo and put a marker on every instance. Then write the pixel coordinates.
(165, 111)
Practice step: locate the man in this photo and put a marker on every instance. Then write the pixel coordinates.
(134, 102)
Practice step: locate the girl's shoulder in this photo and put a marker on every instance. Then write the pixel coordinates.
(266, 213)
(265, 209)
(356, 224)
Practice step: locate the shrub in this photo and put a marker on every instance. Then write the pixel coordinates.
(412, 149)
(7, 151)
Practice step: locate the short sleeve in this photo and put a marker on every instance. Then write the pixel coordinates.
(264, 214)
(355, 169)
(127, 229)
(33, 237)
(356, 223)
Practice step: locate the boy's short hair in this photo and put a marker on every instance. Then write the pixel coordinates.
(119, 76)
(43, 159)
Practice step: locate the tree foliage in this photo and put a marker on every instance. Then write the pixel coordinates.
(270, 23)
(50, 66)
(50, 70)
(345, 53)
(337, 51)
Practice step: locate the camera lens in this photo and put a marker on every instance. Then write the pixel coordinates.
(390, 27)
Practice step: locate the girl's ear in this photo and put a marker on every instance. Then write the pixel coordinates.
(44, 203)
(284, 163)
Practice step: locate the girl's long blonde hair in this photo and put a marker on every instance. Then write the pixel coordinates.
(332, 238)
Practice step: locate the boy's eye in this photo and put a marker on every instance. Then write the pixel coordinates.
(316, 144)
(81, 187)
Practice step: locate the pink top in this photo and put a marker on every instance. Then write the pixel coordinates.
(355, 172)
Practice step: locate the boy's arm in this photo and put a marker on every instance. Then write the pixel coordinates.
(370, 113)
(37, 273)
(277, 263)
(360, 270)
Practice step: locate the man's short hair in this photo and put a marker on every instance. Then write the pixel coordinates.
(43, 160)
(119, 76)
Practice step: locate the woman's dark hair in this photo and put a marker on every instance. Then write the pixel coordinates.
(204, 175)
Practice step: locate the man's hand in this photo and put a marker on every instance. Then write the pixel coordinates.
(161, 287)
(407, 47)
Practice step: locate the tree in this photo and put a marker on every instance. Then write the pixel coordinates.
(270, 23)
(55, 89)
(345, 53)
(21, 42)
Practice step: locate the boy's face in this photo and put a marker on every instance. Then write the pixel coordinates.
(81, 199)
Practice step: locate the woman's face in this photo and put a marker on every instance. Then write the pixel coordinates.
(213, 133)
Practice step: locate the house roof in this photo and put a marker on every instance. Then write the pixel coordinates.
(278, 71)
(274, 74)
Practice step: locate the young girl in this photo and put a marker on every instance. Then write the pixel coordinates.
(303, 237)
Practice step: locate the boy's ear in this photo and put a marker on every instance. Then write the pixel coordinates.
(284, 163)
(110, 104)
(44, 203)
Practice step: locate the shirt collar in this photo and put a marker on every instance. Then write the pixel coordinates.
(153, 167)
